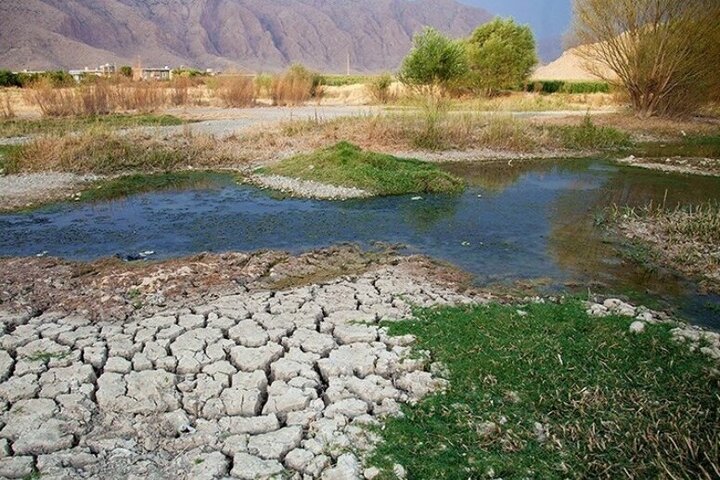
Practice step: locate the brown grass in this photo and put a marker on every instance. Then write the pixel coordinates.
(294, 87)
(6, 107)
(236, 91)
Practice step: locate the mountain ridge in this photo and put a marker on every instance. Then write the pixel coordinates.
(224, 34)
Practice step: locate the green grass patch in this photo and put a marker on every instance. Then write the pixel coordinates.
(588, 136)
(570, 396)
(7, 163)
(347, 165)
(560, 86)
(142, 183)
(694, 146)
(50, 125)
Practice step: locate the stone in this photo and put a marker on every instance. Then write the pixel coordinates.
(118, 365)
(251, 359)
(347, 468)
(248, 334)
(249, 425)
(275, 445)
(283, 399)
(298, 459)
(51, 436)
(346, 334)
(419, 384)
(19, 388)
(250, 467)
(176, 423)
(250, 380)
(371, 473)
(16, 467)
(209, 466)
(310, 341)
(637, 327)
(246, 403)
(6, 364)
(235, 444)
(350, 408)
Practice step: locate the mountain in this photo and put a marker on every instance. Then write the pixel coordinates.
(549, 19)
(242, 34)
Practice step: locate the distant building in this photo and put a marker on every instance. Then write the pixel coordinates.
(156, 73)
(101, 71)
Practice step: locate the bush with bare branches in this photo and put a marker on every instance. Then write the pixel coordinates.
(296, 86)
(236, 91)
(662, 52)
(6, 108)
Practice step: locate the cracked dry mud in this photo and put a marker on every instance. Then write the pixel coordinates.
(257, 384)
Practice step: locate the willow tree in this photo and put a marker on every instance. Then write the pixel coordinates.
(664, 53)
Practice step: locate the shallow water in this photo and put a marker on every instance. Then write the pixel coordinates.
(525, 221)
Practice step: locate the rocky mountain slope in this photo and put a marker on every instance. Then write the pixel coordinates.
(244, 34)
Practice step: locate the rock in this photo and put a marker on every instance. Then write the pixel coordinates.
(347, 468)
(19, 388)
(310, 341)
(283, 398)
(350, 408)
(275, 445)
(251, 425)
(419, 384)
(251, 359)
(176, 423)
(209, 466)
(637, 327)
(250, 467)
(298, 459)
(246, 403)
(347, 334)
(248, 334)
(16, 467)
(6, 364)
(371, 473)
(399, 471)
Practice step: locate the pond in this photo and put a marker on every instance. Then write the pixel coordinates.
(531, 223)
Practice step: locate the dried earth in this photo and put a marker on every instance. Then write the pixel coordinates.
(208, 368)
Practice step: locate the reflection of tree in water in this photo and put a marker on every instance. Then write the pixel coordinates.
(425, 214)
(581, 247)
(497, 176)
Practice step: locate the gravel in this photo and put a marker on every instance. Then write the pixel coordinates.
(308, 188)
(23, 190)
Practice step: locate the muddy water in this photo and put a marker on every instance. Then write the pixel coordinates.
(524, 222)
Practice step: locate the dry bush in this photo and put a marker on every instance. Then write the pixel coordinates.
(52, 102)
(294, 87)
(6, 108)
(236, 91)
(93, 99)
(663, 53)
(143, 97)
(380, 88)
(180, 91)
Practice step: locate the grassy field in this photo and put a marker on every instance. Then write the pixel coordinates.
(347, 165)
(57, 126)
(548, 392)
(6, 154)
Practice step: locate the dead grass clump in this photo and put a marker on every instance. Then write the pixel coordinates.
(102, 151)
(52, 102)
(6, 108)
(380, 88)
(236, 91)
(143, 97)
(180, 91)
(295, 87)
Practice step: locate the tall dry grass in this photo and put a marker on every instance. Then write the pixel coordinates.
(236, 91)
(7, 111)
(295, 87)
(104, 97)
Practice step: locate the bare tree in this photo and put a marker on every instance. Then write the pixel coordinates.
(663, 52)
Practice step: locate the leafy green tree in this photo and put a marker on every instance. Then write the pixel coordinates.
(126, 71)
(9, 79)
(434, 62)
(500, 54)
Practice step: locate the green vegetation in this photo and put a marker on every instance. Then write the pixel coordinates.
(6, 155)
(125, 186)
(693, 146)
(53, 125)
(379, 88)
(588, 136)
(500, 55)
(9, 79)
(343, 80)
(554, 394)
(347, 165)
(561, 86)
(434, 62)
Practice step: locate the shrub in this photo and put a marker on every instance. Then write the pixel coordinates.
(588, 136)
(180, 90)
(9, 79)
(296, 86)
(263, 85)
(379, 88)
(434, 62)
(500, 55)
(126, 71)
(561, 86)
(236, 91)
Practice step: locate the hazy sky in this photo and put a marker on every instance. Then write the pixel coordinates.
(548, 18)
